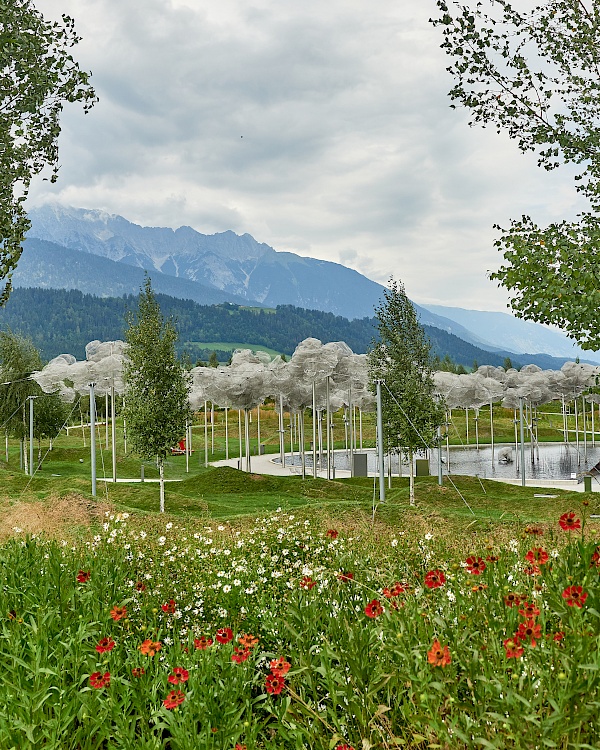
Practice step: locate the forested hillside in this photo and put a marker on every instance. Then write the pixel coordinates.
(63, 322)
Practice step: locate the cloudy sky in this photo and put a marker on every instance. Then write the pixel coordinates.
(319, 128)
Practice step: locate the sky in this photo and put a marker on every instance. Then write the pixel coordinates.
(323, 129)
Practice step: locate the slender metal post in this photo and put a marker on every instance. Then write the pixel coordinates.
(522, 436)
(440, 474)
(227, 433)
(31, 470)
(314, 428)
(206, 433)
(187, 447)
(93, 436)
(281, 432)
(328, 439)
(106, 407)
(113, 433)
(492, 431)
(380, 444)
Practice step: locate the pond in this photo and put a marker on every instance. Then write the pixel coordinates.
(549, 461)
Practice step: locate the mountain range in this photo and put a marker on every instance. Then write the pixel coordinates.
(107, 255)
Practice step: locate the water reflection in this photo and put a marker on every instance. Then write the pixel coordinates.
(549, 461)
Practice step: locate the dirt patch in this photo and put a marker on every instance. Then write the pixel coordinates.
(256, 477)
(53, 517)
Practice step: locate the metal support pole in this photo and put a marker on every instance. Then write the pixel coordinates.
(206, 433)
(522, 436)
(31, 470)
(314, 428)
(281, 432)
(93, 436)
(440, 475)
(492, 430)
(380, 444)
(328, 437)
(227, 433)
(187, 447)
(113, 433)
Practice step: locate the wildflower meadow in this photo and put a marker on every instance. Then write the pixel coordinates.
(283, 634)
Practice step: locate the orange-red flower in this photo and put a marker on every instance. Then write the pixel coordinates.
(203, 642)
(529, 631)
(512, 599)
(307, 583)
(529, 610)
(332, 533)
(475, 565)
(595, 560)
(99, 680)
(83, 576)
(344, 747)
(247, 640)
(104, 645)
(537, 555)
(169, 607)
(434, 579)
(179, 674)
(479, 587)
(224, 635)
(575, 596)
(140, 586)
(118, 613)
(492, 558)
(534, 531)
(240, 654)
(532, 570)
(138, 671)
(274, 683)
(346, 576)
(280, 666)
(394, 591)
(513, 648)
(174, 698)
(373, 609)
(149, 647)
(438, 655)
(569, 522)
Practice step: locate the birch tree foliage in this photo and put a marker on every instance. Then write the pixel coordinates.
(401, 358)
(533, 71)
(37, 76)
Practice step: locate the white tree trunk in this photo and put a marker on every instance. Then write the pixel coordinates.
(161, 474)
(411, 485)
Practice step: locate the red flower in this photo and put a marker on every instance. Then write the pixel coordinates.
(174, 699)
(534, 531)
(512, 647)
(529, 611)
(307, 583)
(139, 586)
(99, 680)
(118, 613)
(345, 577)
(438, 655)
(568, 522)
(537, 555)
(104, 645)
(492, 558)
(203, 642)
(138, 671)
(332, 533)
(512, 599)
(434, 579)
(240, 654)
(224, 635)
(373, 609)
(395, 590)
(532, 570)
(179, 674)
(529, 631)
(83, 576)
(558, 636)
(280, 666)
(169, 607)
(150, 648)
(475, 565)
(595, 560)
(575, 596)
(274, 683)
(239, 746)
(344, 747)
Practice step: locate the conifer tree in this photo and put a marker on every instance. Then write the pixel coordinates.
(402, 360)
(156, 385)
